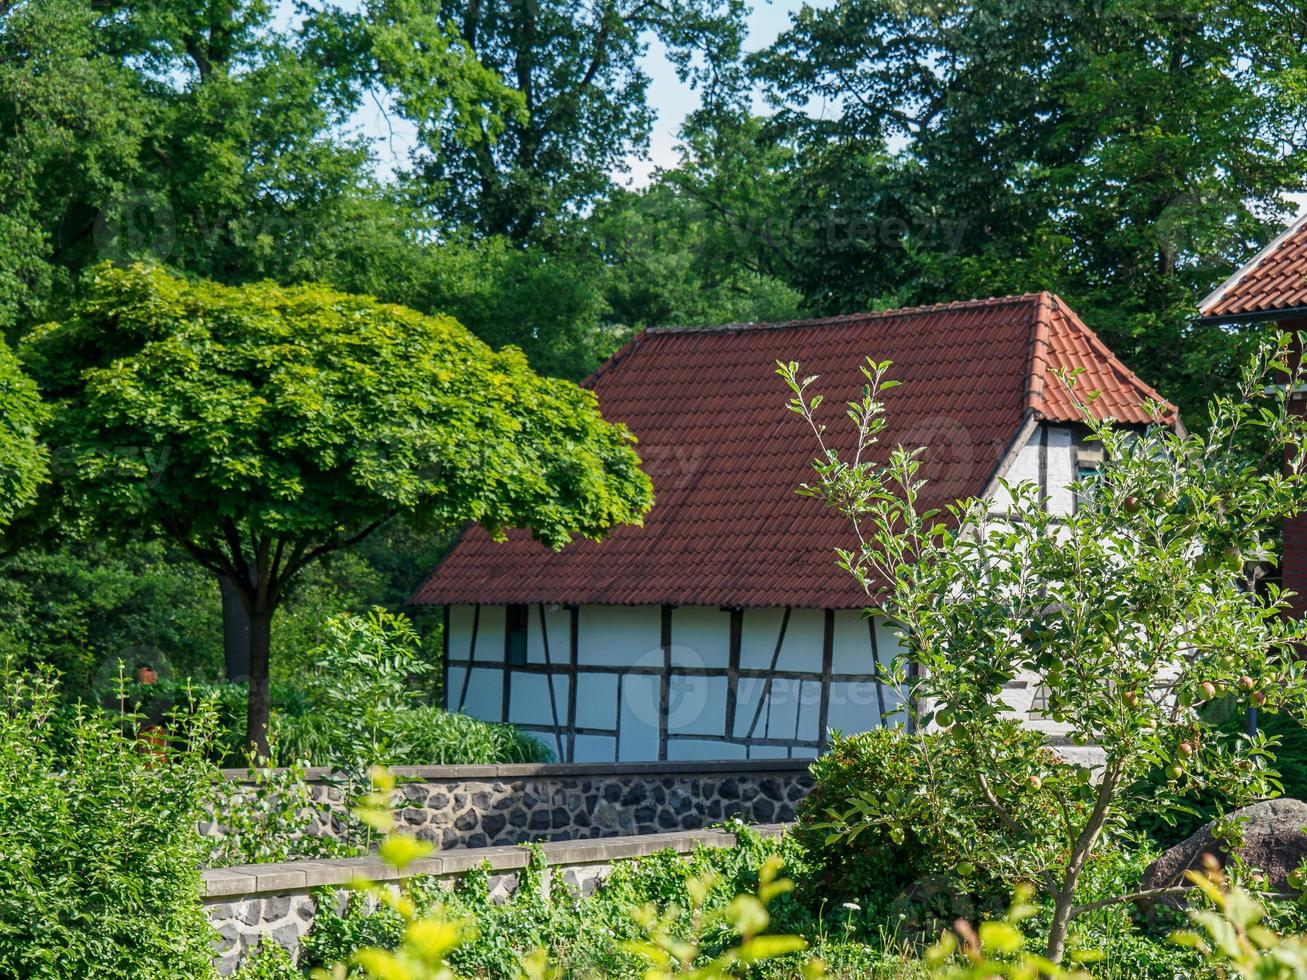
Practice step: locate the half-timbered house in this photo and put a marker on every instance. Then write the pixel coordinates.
(723, 628)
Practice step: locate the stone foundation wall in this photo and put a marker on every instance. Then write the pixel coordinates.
(258, 903)
(486, 806)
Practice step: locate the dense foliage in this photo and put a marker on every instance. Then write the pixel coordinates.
(22, 457)
(84, 606)
(100, 855)
(695, 915)
(1124, 155)
(316, 449)
(911, 862)
(1127, 155)
(366, 699)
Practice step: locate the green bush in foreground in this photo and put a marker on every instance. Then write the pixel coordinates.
(100, 853)
(899, 854)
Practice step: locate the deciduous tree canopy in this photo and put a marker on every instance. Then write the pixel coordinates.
(264, 427)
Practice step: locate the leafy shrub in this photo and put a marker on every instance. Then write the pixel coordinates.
(269, 961)
(359, 705)
(365, 707)
(99, 844)
(922, 826)
(81, 606)
(433, 736)
(424, 736)
(589, 937)
(172, 695)
(585, 937)
(270, 817)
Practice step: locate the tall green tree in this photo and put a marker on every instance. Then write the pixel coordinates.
(72, 121)
(575, 71)
(264, 428)
(1127, 154)
(209, 136)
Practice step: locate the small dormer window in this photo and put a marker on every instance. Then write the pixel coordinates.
(1089, 457)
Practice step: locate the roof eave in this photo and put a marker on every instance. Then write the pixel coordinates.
(1214, 297)
(1252, 316)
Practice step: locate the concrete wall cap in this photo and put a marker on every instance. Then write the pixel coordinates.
(751, 767)
(290, 876)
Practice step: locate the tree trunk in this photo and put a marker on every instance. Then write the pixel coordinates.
(235, 633)
(260, 701)
(1061, 921)
(1063, 900)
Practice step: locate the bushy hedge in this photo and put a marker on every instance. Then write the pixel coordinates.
(586, 937)
(100, 853)
(910, 858)
(425, 734)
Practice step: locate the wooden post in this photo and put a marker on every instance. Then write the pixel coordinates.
(549, 682)
(827, 655)
(733, 670)
(471, 655)
(571, 683)
(765, 696)
(444, 657)
(875, 662)
(665, 683)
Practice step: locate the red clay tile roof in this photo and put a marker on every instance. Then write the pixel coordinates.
(1275, 279)
(727, 528)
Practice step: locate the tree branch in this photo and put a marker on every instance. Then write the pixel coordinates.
(308, 557)
(1133, 896)
(1006, 818)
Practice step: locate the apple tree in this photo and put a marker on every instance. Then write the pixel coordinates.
(264, 427)
(1133, 612)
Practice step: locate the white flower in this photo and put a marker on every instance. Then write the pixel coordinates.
(853, 906)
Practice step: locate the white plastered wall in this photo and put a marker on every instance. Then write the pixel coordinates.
(619, 674)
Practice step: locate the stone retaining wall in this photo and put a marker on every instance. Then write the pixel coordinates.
(258, 903)
(484, 806)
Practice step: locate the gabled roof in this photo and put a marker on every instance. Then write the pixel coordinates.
(1273, 281)
(727, 528)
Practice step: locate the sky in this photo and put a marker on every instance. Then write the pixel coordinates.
(671, 100)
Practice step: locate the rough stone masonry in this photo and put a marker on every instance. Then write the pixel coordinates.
(486, 806)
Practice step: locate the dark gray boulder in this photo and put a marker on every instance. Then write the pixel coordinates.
(1275, 842)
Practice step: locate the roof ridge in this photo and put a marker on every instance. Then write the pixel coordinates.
(1113, 361)
(1039, 341)
(1236, 277)
(826, 321)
